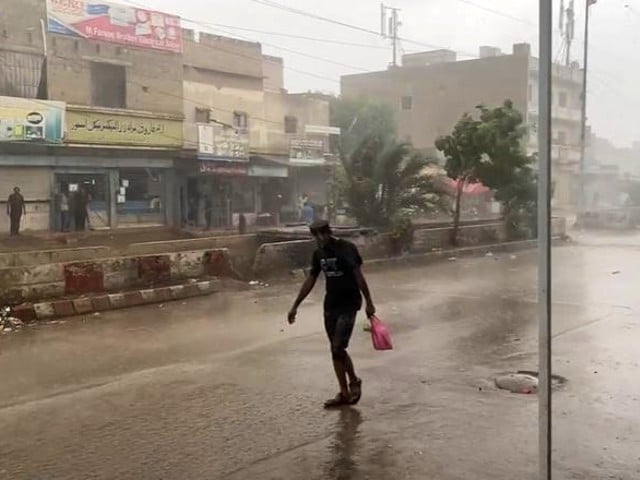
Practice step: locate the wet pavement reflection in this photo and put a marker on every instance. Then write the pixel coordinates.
(221, 388)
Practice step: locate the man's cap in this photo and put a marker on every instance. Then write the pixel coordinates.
(319, 225)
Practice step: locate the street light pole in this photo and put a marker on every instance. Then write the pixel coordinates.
(583, 118)
(544, 239)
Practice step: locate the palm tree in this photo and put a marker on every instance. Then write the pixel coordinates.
(385, 180)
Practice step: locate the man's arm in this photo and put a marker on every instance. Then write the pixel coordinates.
(305, 290)
(24, 207)
(364, 288)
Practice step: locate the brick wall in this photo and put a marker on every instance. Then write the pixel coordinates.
(154, 79)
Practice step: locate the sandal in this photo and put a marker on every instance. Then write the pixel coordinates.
(338, 401)
(356, 391)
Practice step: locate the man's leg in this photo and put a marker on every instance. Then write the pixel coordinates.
(15, 224)
(340, 369)
(343, 365)
(350, 370)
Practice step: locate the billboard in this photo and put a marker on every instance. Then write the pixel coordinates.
(220, 143)
(307, 151)
(26, 120)
(109, 22)
(93, 127)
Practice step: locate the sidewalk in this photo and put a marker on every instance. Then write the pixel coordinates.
(115, 239)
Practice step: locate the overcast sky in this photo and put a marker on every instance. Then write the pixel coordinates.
(460, 25)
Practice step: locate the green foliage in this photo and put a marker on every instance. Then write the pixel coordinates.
(402, 232)
(358, 119)
(489, 149)
(463, 160)
(384, 178)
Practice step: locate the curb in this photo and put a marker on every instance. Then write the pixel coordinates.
(29, 312)
(503, 247)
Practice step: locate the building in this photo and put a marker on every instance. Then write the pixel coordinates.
(99, 115)
(250, 147)
(432, 90)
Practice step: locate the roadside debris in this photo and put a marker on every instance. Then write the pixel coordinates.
(8, 323)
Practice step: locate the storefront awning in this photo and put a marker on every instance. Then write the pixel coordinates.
(223, 168)
(308, 162)
(267, 166)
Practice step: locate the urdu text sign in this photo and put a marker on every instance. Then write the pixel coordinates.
(106, 129)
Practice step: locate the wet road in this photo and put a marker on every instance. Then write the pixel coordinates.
(221, 388)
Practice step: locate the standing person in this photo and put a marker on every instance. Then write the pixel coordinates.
(64, 211)
(208, 208)
(340, 261)
(16, 208)
(302, 202)
(79, 210)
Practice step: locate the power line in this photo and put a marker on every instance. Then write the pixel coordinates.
(300, 37)
(498, 12)
(359, 28)
(296, 52)
(231, 52)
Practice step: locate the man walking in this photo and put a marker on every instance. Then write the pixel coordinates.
(340, 262)
(15, 209)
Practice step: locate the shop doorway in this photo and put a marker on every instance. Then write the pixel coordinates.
(140, 198)
(78, 194)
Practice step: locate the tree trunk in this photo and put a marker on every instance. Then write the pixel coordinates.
(456, 212)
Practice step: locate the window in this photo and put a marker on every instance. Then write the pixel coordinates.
(290, 124)
(407, 102)
(108, 85)
(240, 120)
(531, 93)
(203, 115)
(562, 99)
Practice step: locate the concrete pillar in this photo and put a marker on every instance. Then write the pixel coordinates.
(113, 181)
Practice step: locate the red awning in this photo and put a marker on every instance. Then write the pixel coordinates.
(475, 188)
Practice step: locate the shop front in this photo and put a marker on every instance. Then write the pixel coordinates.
(311, 173)
(128, 178)
(273, 190)
(28, 128)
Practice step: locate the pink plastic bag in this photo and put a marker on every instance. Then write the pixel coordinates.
(380, 335)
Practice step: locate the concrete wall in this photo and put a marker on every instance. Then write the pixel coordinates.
(56, 280)
(283, 257)
(442, 93)
(154, 79)
(309, 109)
(241, 248)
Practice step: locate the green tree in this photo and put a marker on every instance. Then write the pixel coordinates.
(384, 181)
(463, 156)
(358, 119)
(507, 169)
(490, 148)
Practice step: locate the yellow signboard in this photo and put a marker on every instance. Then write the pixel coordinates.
(102, 128)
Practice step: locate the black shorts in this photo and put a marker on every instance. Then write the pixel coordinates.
(339, 327)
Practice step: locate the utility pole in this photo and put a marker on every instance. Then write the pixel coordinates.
(389, 27)
(544, 239)
(583, 126)
(567, 20)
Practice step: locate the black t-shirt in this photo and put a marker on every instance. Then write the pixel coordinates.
(338, 260)
(16, 204)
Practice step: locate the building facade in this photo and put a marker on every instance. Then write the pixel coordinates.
(432, 90)
(117, 98)
(242, 131)
(150, 125)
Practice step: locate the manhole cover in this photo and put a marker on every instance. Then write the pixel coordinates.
(525, 382)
